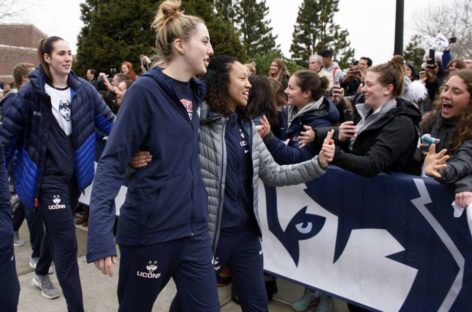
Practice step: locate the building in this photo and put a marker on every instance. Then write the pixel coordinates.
(18, 43)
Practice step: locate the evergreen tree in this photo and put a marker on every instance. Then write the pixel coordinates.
(114, 31)
(224, 38)
(315, 30)
(225, 9)
(256, 32)
(414, 52)
(119, 30)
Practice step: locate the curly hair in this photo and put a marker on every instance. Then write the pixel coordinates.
(217, 80)
(463, 130)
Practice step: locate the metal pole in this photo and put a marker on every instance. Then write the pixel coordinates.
(399, 27)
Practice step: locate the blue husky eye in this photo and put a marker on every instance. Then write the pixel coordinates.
(304, 227)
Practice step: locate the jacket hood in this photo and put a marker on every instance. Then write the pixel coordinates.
(322, 108)
(206, 115)
(198, 87)
(405, 108)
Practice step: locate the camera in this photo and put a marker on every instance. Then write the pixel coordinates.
(112, 71)
(431, 59)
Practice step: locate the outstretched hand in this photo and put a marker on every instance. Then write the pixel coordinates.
(327, 150)
(463, 199)
(264, 127)
(434, 162)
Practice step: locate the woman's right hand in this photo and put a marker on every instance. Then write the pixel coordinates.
(105, 265)
(347, 130)
(434, 162)
(326, 154)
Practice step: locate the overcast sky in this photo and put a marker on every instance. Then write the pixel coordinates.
(370, 22)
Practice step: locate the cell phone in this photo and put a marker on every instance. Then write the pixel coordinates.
(431, 57)
(348, 115)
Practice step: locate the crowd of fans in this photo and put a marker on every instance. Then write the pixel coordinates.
(283, 128)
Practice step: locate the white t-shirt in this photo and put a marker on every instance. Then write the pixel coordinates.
(60, 101)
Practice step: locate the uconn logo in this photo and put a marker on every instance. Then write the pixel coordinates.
(151, 268)
(56, 199)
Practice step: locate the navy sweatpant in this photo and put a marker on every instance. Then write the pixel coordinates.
(57, 200)
(9, 285)
(145, 270)
(241, 251)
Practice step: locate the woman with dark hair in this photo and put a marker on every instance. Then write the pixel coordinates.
(308, 109)
(163, 225)
(261, 103)
(127, 69)
(280, 105)
(278, 70)
(383, 136)
(50, 126)
(233, 158)
(451, 123)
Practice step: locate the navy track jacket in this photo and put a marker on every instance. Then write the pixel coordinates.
(166, 200)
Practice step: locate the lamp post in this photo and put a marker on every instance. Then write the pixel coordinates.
(399, 16)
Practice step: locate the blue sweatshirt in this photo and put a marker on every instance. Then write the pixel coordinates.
(166, 200)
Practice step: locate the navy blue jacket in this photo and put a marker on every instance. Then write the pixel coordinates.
(166, 200)
(25, 131)
(325, 116)
(6, 226)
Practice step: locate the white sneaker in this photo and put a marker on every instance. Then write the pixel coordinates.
(48, 290)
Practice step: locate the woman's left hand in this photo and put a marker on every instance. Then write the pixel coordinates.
(326, 154)
(434, 162)
(463, 199)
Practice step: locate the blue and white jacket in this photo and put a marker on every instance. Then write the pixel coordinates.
(25, 132)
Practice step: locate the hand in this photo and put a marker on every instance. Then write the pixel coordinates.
(264, 127)
(102, 76)
(347, 130)
(434, 162)
(463, 199)
(327, 150)
(307, 136)
(338, 93)
(140, 159)
(105, 265)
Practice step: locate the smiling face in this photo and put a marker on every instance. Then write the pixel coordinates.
(238, 88)
(274, 68)
(454, 98)
(375, 93)
(60, 59)
(197, 50)
(124, 69)
(295, 95)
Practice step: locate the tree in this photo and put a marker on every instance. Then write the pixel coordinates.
(119, 30)
(315, 30)
(256, 32)
(450, 18)
(225, 9)
(414, 52)
(224, 37)
(114, 31)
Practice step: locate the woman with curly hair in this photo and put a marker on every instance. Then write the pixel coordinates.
(233, 158)
(451, 123)
(278, 70)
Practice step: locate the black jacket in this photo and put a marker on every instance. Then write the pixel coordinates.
(385, 146)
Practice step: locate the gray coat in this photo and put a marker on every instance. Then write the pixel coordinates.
(213, 167)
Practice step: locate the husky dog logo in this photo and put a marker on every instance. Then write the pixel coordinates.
(64, 109)
(216, 263)
(151, 267)
(56, 199)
